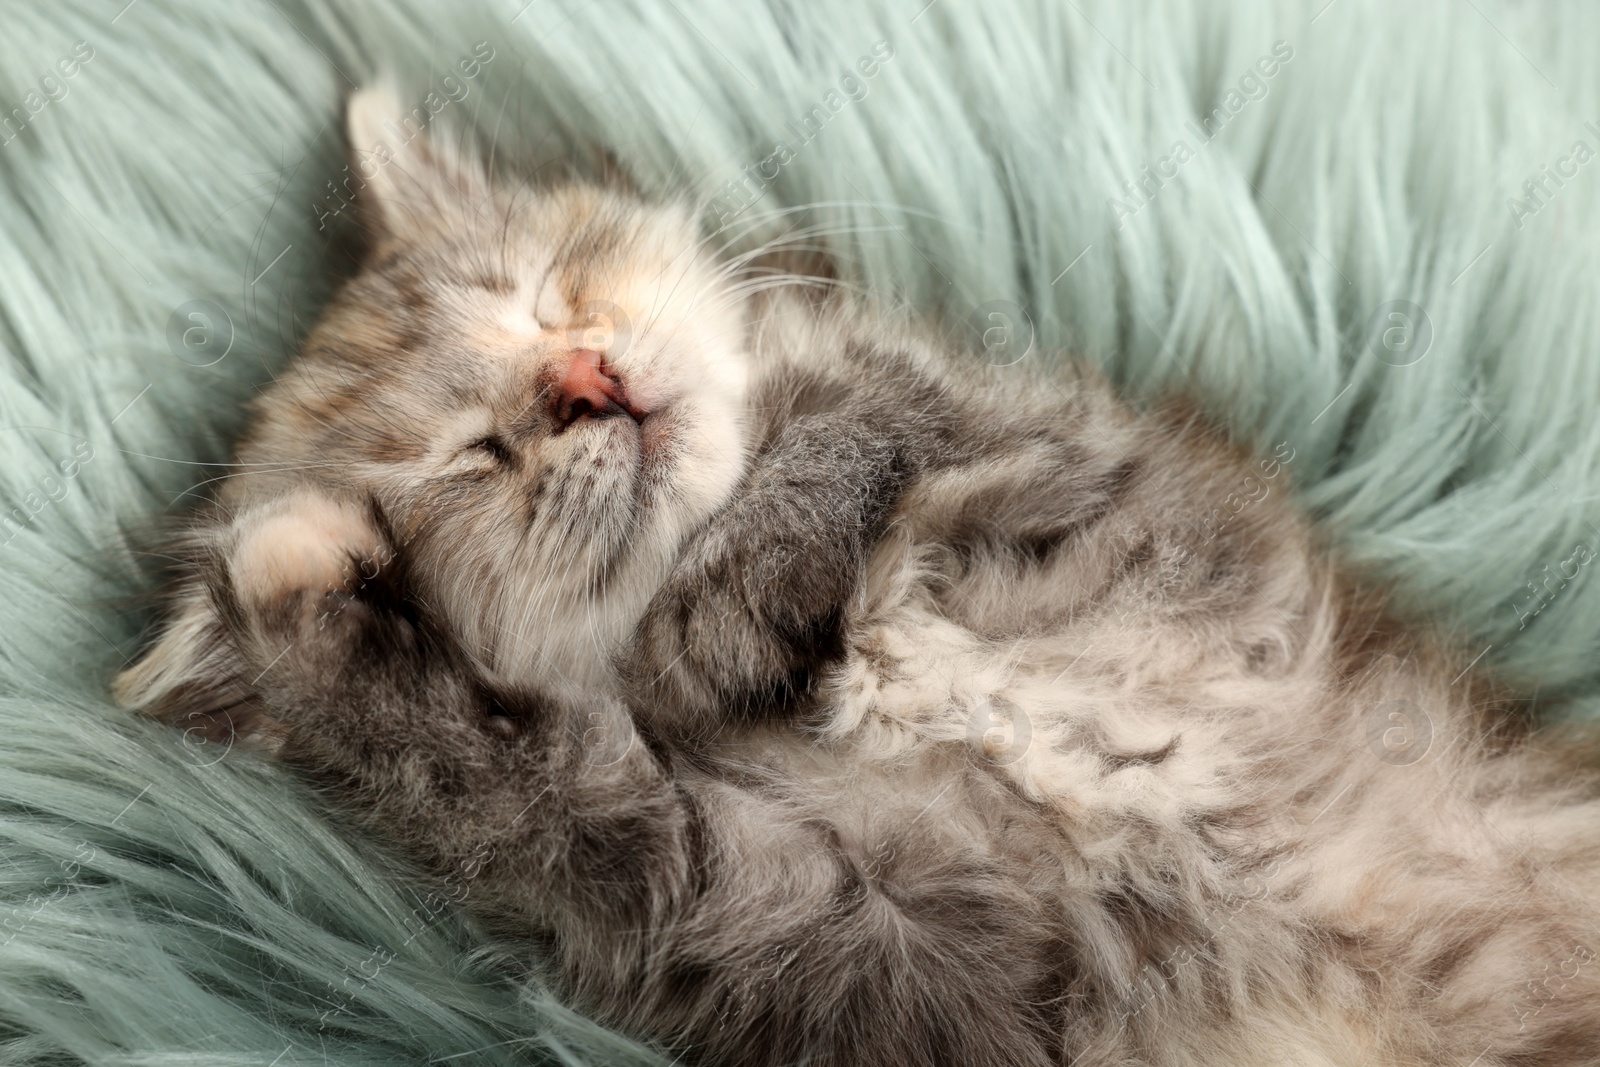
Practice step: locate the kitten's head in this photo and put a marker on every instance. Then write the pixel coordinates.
(537, 392)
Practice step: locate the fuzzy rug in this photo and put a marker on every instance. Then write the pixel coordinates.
(1362, 230)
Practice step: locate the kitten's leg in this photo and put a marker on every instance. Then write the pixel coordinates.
(757, 600)
(371, 695)
(707, 916)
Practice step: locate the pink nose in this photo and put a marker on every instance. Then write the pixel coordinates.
(589, 387)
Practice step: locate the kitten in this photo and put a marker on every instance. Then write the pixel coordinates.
(814, 692)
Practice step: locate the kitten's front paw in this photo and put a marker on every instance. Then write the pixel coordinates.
(300, 542)
(665, 662)
(298, 569)
(732, 631)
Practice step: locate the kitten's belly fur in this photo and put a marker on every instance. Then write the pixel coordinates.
(1264, 866)
(1278, 875)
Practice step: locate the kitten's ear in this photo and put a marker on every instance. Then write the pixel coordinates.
(194, 678)
(409, 180)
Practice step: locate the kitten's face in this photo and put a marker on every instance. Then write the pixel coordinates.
(541, 390)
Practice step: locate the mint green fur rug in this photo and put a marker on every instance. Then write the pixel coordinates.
(1229, 199)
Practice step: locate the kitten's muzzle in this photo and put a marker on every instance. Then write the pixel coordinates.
(588, 387)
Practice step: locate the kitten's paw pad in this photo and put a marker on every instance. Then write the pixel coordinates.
(306, 545)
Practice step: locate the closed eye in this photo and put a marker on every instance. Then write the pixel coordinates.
(492, 446)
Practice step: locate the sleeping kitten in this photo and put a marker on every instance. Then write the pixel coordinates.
(816, 693)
